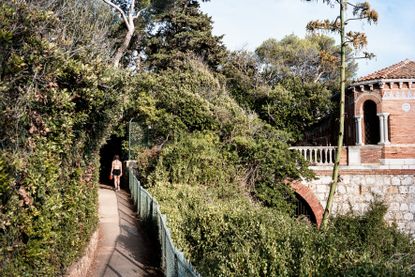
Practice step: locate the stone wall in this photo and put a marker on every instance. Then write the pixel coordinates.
(80, 268)
(355, 192)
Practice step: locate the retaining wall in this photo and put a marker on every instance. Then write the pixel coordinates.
(356, 191)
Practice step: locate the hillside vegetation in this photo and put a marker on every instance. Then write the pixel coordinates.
(57, 107)
(221, 185)
(215, 151)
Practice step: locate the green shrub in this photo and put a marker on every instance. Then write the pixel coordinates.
(196, 159)
(200, 135)
(56, 110)
(231, 236)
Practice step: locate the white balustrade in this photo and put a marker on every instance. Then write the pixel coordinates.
(317, 155)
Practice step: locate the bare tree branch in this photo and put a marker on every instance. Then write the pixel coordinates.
(119, 10)
(138, 13)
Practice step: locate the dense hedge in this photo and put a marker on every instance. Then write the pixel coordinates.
(56, 110)
(225, 234)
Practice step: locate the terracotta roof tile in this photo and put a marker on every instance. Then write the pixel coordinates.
(402, 70)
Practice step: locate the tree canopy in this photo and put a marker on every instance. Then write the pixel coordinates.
(181, 31)
(282, 76)
(312, 59)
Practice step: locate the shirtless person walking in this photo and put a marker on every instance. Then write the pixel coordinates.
(116, 171)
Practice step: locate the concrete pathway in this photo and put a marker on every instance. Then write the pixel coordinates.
(124, 249)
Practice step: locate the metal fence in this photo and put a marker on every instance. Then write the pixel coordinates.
(173, 262)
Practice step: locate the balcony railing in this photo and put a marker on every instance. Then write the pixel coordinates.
(317, 155)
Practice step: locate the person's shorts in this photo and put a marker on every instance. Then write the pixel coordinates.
(116, 172)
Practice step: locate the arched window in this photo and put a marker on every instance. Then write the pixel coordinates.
(371, 123)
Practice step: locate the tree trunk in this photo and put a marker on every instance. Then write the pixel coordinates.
(335, 175)
(124, 46)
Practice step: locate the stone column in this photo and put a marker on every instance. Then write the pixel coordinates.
(386, 128)
(358, 119)
(381, 128)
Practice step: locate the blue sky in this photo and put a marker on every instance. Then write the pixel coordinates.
(245, 24)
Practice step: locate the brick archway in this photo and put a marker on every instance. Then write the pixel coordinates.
(307, 194)
(363, 98)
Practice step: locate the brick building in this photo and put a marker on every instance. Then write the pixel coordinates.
(378, 159)
(380, 116)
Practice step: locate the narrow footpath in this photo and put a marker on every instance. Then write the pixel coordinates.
(124, 249)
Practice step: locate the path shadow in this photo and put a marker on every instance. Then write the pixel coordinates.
(126, 250)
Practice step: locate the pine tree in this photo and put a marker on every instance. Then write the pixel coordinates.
(179, 32)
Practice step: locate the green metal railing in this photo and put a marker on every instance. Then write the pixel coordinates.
(173, 262)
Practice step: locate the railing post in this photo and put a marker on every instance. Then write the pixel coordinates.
(137, 186)
(146, 204)
(318, 155)
(320, 152)
(176, 265)
(139, 198)
(329, 150)
(329, 153)
(164, 262)
(150, 212)
(135, 193)
(129, 178)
